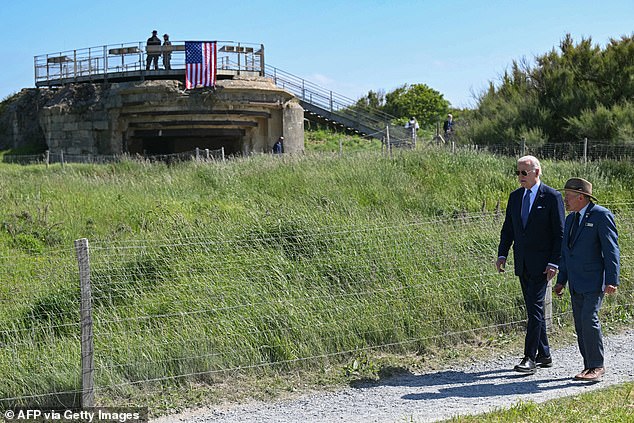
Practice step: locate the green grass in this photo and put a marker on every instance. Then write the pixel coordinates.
(323, 141)
(262, 269)
(614, 405)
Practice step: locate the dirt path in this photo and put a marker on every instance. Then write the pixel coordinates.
(433, 396)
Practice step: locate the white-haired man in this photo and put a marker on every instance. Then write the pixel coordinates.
(534, 226)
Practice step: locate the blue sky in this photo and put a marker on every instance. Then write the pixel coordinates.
(349, 47)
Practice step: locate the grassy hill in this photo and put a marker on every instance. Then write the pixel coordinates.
(205, 271)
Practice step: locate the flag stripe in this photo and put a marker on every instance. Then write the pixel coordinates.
(200, 64)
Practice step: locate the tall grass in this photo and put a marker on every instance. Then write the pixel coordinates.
(203, 269)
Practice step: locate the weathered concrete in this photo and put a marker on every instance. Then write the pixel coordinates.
(245, 115)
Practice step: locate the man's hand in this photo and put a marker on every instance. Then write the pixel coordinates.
(559, 290)
(550, 272)
(500, 264)
(610, 289)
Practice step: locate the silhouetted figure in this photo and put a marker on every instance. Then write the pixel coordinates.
(154, 40)
(167, 53)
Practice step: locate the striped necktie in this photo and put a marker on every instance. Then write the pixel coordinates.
(526, 207)
(573, 229)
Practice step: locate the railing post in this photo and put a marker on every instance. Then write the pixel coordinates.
(585, 150)
(90, 63)
(47, 156)
(207, 154)
(389, 145)
(75, 65)
(61, 157)
(197, 154)
(47, 70)
(523, 146)
(222, 152)
(105, 63)
(141, 67)
(35, 67)
(87, 352)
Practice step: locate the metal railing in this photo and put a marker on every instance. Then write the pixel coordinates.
(120, 59)
(130, 60)
(339, 106)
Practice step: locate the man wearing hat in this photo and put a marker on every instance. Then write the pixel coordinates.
(590, 264)
(534, 226)
(153, 57)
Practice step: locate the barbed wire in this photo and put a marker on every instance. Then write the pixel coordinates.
(137, 284)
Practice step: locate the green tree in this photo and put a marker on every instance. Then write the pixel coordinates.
(374, 100)
(578, 90)
(420, 101)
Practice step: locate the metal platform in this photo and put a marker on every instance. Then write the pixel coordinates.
(127, 62)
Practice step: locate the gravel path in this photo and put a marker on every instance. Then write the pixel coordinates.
(433, 396)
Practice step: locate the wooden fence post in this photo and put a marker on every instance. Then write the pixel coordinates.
(548, 306)
(87, 352)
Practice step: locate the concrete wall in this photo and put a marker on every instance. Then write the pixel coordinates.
(245, 114)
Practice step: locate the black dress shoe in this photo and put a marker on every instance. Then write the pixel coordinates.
(526, 366)
(544, 361)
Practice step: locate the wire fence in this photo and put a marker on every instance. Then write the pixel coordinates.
(584, 150)
(46, 158)
(196, 309)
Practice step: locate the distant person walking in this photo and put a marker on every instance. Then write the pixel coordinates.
(413, 126)
(590, 264)
(447, 126)
(534, 225)
(152, 57)
(167, 52)
(278, 147)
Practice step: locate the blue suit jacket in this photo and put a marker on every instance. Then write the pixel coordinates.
(593, 259)
(540, 242)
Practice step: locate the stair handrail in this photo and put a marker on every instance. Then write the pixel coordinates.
(334, 103)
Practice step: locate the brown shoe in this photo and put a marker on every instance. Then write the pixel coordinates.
(594, 374)
(581, 375)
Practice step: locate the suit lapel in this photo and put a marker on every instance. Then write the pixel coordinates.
(538, 202)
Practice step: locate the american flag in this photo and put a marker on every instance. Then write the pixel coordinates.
(200, 64)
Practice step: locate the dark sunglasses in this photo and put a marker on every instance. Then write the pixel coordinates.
(524, 172)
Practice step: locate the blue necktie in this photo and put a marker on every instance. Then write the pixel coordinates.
(526, 207)
(573, 229)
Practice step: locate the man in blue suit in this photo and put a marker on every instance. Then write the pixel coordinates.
(590, 263)
(534, 225)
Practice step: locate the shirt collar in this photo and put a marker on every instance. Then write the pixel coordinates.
(582, 212)
(535, 188)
